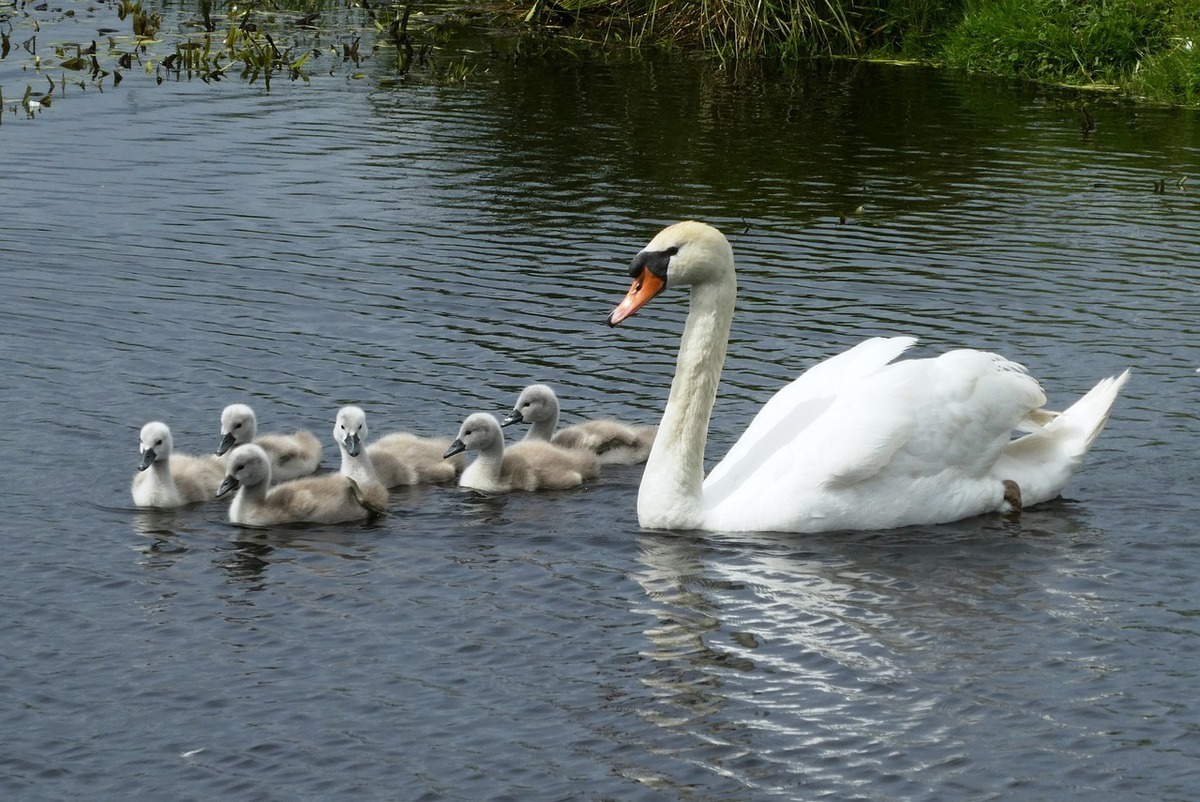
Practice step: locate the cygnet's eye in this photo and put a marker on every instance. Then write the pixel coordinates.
(237, 425)
(158, 442)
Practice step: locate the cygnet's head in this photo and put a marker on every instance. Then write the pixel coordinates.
(478, 432)
(156, 444)
(238, 427)
(687, 253)
(248, 466)
(535, 404)
(350, 429)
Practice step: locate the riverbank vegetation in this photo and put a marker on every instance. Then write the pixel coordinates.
(1146, 48)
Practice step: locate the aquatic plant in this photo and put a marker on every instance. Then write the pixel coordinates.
(1146, 47)
(259, 41)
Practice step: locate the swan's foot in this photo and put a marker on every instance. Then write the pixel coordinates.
(1011, 505)
(373, 511)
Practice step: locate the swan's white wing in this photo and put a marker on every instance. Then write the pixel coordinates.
(797, 405)
(913, 440)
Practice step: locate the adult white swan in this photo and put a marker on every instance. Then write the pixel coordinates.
(857, 441)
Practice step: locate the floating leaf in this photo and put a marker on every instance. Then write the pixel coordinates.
(77, 63)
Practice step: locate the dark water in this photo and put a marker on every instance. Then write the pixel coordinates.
(424, 251)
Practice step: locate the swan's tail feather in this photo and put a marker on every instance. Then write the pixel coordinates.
(1090, 413)
(1042, 462)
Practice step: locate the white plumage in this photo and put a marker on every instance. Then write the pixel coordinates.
(859, 441)
(350, 433)
(167, 479)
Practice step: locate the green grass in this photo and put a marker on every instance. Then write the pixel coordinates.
(1149, 48)
(1076, 42)
(1172, 76)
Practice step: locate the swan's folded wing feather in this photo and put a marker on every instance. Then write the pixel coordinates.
(797, 405)
(944, 420)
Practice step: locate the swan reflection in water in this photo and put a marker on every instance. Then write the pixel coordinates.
(840, 659)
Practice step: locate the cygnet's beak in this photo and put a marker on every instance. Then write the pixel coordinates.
(148, 457)
(230, 483)
(353, 444)
(645, 286)
(456, 447)
(227, 442)
(513, 417)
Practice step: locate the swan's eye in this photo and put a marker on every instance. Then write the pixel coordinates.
(158, 442)
(237, 425)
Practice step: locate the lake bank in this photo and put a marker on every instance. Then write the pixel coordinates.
(1136, 49)
(1141, 49)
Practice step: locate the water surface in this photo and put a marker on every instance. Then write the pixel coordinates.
(424, 251)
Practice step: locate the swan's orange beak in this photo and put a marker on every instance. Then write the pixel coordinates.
(644, 287)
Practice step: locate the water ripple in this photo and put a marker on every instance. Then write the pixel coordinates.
(427, 251)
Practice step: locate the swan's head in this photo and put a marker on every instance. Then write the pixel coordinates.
(238, 426)
(350, 429)
(155, 444)
(248, 466)
(536, 403)
(478, 432)
(688, 253)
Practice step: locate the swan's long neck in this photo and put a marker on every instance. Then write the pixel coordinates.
(359, 468)
(670, 493)
(163, 482)
(248, 497)
(484, 472)
(161, 470)
(544, 429)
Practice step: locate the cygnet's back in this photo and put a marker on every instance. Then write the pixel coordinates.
(402, 458)
(613, 442)
(528, 465)
(167, 479)
(328, 499)
(292, 455)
